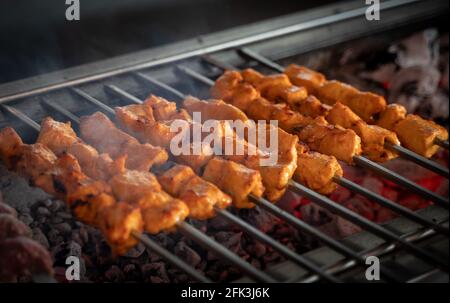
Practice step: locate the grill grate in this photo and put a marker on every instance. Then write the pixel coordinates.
(103, 93)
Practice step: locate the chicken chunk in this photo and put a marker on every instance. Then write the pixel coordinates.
(99, 131)
(393, 114)
(303, 76)
(365, 104)
(118, 222)
(200, 196)
(317, 171)
(373, 137)
(343, 144)
(419, 135)
(244, 182)
(214, 109)
(165, 110)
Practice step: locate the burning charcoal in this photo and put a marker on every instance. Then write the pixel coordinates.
(42, 211)
(219, 223)
(6, 209)
(39, 237)
(419, 49)
(187, 254)
(346, 228)
(373, 184)
(136, 251)
(156, 280)
(384, 215)
(10, 227)
(64, 228)
(157, 269)
(114, 274)
(131, 272)
(255, 263)
(64, 215)
(260, 219)
(56, 205)
(54, 237)
(257, 249)
(230, 240)
(26, 218)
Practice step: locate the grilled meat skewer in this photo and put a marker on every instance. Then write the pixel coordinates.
(415, 133)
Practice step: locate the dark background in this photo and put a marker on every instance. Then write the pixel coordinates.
(35, 37)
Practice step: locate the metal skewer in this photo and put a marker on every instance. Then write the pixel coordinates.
(441, 143)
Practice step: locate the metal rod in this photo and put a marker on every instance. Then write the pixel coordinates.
(64, 112)
(405, 153)
(21, 116)
(114, 90)
(422, 161)
(302, 261)
(370, 226)
(441, 143)
(247, 52)
(170, 257)
(402, 181)
(222, 251)
(407, 213)
(362, 161)
(92, 100)
(157, 83)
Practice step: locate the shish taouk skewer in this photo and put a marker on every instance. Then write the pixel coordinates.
(317, 133)
(91, 201)
(278, 88)
(200, 196)
(275, 177)
(138, 120)
(314, 170)
(138, 188)
(415, 133)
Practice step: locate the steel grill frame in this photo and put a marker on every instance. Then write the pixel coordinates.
(51, 105)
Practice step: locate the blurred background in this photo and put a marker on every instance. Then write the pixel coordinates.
(36, 38)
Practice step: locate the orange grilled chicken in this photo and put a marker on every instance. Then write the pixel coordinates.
(275, 177)
(137, 188)
(61, 176)
(372, 108)
(98, 130)
(140, 121)
(312, 169)
(202, 197)
(373, 137)
(316, 132)
(60, 137)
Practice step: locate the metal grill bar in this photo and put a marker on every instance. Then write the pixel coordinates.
(358, 159)
(407, 213)
(407, 154)
(370, 226)
(344, 212)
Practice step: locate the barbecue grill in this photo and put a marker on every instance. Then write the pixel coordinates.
(412, 247)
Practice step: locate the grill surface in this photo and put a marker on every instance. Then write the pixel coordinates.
(420, 252)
